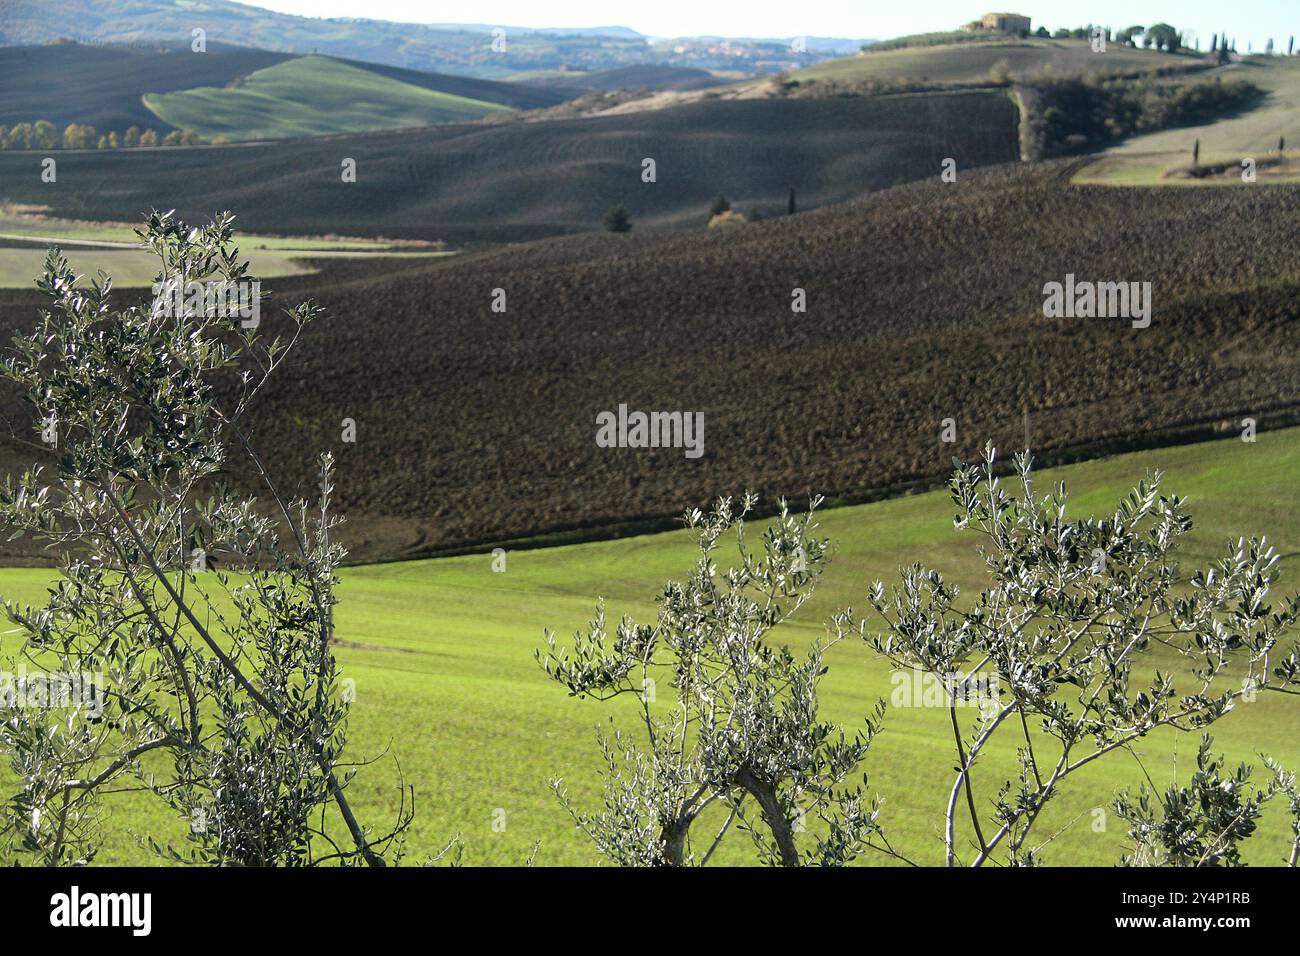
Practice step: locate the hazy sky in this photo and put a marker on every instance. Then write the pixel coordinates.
(1254, 20)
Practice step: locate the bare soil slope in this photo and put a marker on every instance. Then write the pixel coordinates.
(924, 303)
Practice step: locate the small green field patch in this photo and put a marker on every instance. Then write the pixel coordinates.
(311, 96)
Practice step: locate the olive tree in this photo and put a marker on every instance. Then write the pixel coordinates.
(741, 729)
(207, 616)
(1206, 821)
(1071, 608)
(1202, 823)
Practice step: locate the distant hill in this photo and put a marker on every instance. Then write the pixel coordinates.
(446, 49)
(308, 96)
(831, 46)
(519, 179)
(649, 77)
(972, 62)
(624, 33)
(837, 46)
(104, 85)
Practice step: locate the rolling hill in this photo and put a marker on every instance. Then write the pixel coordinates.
(650, 77)
(924, 303)
(308, 96)
(524, 179)
(985, 63)
(1143, 159)
(972, 63)
(106, 86)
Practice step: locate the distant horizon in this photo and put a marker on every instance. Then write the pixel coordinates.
(833, 19)
(596, 27)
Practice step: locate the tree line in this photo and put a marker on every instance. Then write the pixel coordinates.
(43, 134)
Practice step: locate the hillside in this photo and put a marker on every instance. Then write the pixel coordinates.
(924, 302)
(442, 655)
(308, 96)
(982, 63)
(650, 77)
(519, 179)
(518, 96)
(105, 85)
(1255, 133)
(967, 63)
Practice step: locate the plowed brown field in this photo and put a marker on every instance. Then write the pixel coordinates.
(924, 302)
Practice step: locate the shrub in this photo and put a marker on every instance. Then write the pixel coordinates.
(617, 220)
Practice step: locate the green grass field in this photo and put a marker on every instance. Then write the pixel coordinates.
(21, 223)
(130, 268)
(310, 96)
(1142, 160)
(113, 248)
(441, 652)
(1153, 170)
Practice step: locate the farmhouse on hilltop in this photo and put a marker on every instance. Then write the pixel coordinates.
(1012, 24)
